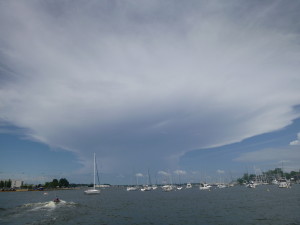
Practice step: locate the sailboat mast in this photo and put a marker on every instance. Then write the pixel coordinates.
(94, 190)
(94, 170)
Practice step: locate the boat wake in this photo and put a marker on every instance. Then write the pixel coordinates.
(44, 205)
(41, 211)
(50, 205)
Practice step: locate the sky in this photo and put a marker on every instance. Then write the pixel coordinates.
(195, 90)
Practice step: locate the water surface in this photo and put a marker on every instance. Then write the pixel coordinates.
(238, 205)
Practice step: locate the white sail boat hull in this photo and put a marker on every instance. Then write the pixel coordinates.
(132, 188)
(92, 191)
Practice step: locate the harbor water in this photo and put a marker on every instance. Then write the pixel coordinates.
(266, 204)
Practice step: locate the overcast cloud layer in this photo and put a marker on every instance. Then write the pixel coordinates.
(141, 83)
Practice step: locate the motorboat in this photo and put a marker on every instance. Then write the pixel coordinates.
(251, 184)
(222, 186)
(283, 183)
(146, 188)
(204, 186)
(188, 185)
(132, 188)
(154, 187)
(274, 181)
(167, 187)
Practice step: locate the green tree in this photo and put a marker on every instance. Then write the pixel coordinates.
(278, 171)
(245, 177)
(9, 183)
(63, 182)
(240, 181)
(55, 183)
(293, 173)
(26, 186)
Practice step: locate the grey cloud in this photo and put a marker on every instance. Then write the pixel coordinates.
(147, 83)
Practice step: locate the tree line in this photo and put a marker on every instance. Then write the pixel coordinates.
(269, 176)
(63, 182)
(5, 183)
(55, 183)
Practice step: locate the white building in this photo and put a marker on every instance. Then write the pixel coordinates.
(16, 183)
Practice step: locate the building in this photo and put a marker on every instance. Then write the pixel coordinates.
(16, 183)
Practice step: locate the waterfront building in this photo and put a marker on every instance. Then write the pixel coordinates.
(16, 183)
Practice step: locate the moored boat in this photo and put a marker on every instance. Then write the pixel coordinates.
(283, 183)
(167, 187)
(222, 186)
(146, 188)
(188, 185)
(132, 188)
(251, 184)
(204, 186)
(93, 190)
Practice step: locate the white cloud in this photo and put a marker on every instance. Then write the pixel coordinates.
(163, 173)
(220, 171)
(296, 142)
(139, 175)
(180, 172)
(140, 89)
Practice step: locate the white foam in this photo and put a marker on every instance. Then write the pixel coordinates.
(50, 205)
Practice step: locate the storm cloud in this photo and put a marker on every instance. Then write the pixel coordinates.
(142, 83)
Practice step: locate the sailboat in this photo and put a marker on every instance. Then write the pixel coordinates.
(148, 186)
(168, 187)
(93, 190)
(133, 188)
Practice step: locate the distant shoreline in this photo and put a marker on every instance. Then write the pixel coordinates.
(25, 190)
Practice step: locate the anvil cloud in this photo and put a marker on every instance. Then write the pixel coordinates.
(142, 83)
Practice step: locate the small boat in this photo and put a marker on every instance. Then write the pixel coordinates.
(154, 187)
(204, 186)
(94, 190)
(132, 188)
(188, 185)
(283, 183)
(222, 186)
(56, 200)
(146, 188)
(251, 184)
(274, 181)
(167, 187)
